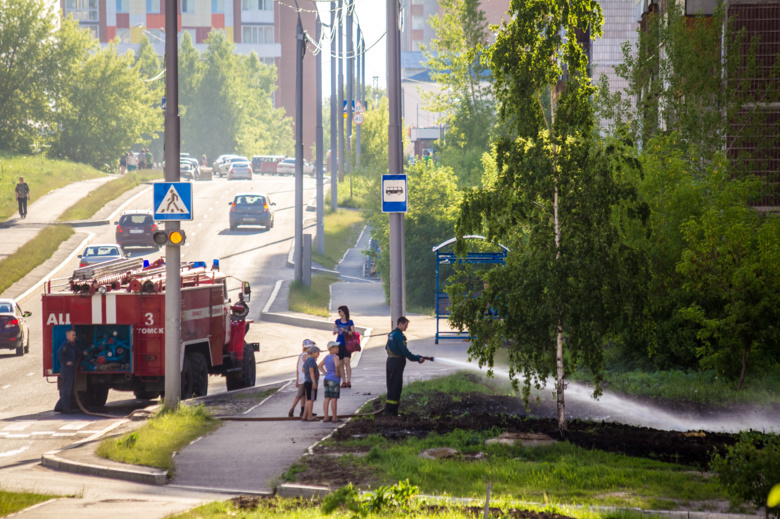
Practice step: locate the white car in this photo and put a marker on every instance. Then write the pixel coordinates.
(102, 252)
(287, 167)
(228, 162)
(216, 166)
(239, 170)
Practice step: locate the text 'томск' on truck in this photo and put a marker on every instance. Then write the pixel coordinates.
(117, 309)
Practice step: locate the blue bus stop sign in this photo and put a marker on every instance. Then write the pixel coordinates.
(394, 194)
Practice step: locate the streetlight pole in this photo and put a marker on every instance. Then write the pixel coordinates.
(334, 154)
(395, 162)
(357, 93)
(319, 162)
(341, 94)
(298, 252)
(172, 252)
(350, 90)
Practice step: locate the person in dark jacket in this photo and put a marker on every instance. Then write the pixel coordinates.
(66, 354)
(22, 196)
(397, 353)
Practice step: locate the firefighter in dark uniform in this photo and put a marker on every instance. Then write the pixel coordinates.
(397, 353)
(66, 354)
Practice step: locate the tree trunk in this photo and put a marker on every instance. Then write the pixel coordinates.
(745, 349)
(560, 384)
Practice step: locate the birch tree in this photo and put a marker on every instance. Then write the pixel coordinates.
(558, 200)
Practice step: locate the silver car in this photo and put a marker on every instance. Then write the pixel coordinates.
(239, 170)
(99, 253)
(287, 167)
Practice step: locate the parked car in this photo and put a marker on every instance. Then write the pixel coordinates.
(215, 167)
(266, 163)
(228, 162)
(14, 332)
(287, 167)
(95, 254)
(239, 170)
(188, 170)
(135, 228)
(195, 164)
(251, 209)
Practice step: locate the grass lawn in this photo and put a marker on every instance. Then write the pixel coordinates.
(41, 174)
(32, 254)
(12, 502)
(342, 229)
(315, 299)
(154, 443)
(97, 198)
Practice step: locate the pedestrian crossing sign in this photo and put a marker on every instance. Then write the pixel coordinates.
(173, 201)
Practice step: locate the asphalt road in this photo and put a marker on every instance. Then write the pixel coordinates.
(29, 428)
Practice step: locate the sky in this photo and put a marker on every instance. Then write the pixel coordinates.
(372, 17)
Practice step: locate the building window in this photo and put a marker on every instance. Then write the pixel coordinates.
(152, 6)
(188, 6)
(418, 21)
(123, 35)
(82, 10)
(122, 7)
(257, 5)
(257, 34)
(218, 6)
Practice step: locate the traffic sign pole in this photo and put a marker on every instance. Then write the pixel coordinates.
(172, 253)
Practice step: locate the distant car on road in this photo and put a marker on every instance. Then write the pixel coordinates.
(287, 167)
(251, 209)
(266, 163)
(216, 166)
(95, 254)
(188, 170)
(135, 228)
(14, 332)
(239, 170)
(228, 162)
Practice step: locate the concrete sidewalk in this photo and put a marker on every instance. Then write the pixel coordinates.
(15, 232)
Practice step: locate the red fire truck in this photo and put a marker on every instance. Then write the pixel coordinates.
(118, 311)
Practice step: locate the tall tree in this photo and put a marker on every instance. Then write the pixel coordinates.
(465, 99)
(109, 109)
(190, 77)
(37, 54)
(570, 279)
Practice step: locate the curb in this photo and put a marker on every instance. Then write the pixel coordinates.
(307, 491)
(83, 223)
(147, 475)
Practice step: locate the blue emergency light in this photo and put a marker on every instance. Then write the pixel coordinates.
(215, 265)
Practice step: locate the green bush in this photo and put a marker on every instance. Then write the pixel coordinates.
(749, 469)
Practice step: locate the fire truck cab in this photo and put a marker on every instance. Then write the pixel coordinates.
(117, 309)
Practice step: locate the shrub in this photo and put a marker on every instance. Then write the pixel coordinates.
(749, 469)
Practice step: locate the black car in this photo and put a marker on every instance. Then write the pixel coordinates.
(251, 209)
(14, 333)
(135, 229)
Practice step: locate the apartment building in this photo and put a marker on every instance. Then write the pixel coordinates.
(266, 27)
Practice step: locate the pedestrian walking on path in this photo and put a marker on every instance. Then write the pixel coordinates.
(310, 386)
(343, 326)
(300, 379)
(66, 354)
(22, 196)
(330, 369)
(397, 353)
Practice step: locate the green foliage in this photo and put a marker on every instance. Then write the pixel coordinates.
(730, 267)
(314, 299)
(749, 469)
(454, 59)
(347, 497)
(32, 254)
(12, 502)
(433, 205)
(396, 498)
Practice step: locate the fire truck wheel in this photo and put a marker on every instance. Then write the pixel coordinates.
(200, 374)
(186, 378)
(96, 395)
(248, 371)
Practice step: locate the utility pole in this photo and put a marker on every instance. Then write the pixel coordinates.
(172, 252)
(358, 76)
(298, 252)
(319, 162)
(341, 92)
(395, 162)
(334, 154)
(350, 89)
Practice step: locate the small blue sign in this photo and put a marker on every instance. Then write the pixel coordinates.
(344, 108)
(394, 194)
(162, 104)
(172, 201)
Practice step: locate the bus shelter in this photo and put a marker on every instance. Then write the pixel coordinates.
(445, 257)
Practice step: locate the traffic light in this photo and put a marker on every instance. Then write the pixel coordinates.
(169, 238)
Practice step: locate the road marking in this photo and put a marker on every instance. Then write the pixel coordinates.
(30, 374)
(17, 426)
(75, 426)
(64, 434)
(13, 453)
(6, 386)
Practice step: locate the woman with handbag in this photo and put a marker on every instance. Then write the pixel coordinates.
(345, 329)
